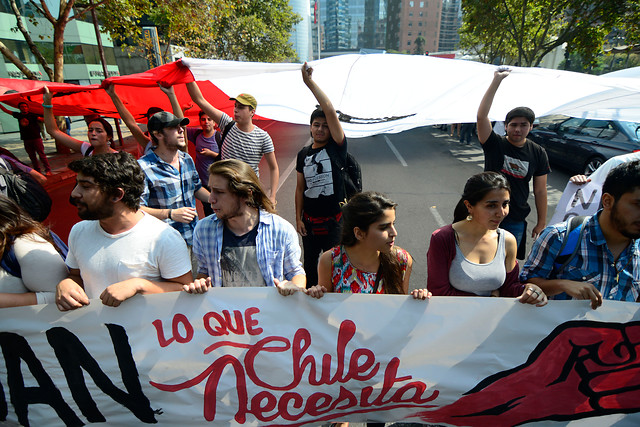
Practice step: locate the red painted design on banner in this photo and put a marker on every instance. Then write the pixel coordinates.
(305, 369)
(178, 319)
(582, 369)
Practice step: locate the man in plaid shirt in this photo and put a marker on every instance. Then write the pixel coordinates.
(172, 183)
(607, 263)
(244, 243)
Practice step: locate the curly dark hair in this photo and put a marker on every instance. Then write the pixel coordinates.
(624, 178)
(114, 171)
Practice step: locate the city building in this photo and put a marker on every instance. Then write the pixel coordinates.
(449, 25)
(337, 25)
(301, 34)
(419, 18)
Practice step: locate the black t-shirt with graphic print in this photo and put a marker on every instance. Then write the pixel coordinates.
(324, 189)
(518, 165)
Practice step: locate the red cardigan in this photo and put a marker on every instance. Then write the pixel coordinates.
(442, 251)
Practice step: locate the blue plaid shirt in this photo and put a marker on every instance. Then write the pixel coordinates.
(277, 249)
(166, 187)
(593, 262)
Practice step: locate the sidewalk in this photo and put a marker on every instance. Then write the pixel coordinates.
(59, 162)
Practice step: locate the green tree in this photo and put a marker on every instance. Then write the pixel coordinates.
(419, 45)
(251, 30)
(523, 31)
(255, 30)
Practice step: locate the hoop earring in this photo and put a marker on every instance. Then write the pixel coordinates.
(469, 217)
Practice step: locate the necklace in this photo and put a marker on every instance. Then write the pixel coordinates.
(618, 271)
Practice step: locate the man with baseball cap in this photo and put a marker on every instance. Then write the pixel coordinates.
(243, 140)
(172, 183)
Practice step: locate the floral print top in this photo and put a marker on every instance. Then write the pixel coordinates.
(348, 279)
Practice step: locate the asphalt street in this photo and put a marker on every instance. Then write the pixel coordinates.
(423, 170)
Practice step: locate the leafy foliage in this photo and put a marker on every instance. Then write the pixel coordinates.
(253, 30)
(419, 44)
(522, 32)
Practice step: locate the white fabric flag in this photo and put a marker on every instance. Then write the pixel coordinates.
(388, 93)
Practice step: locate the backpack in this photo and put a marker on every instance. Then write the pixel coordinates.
(350, 171)
(351, 176)
(570, 246)
(10, 264)
(25, 191)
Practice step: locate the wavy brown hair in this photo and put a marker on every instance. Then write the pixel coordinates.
(15, 222)
(243, 182)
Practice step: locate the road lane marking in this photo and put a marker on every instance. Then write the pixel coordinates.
(395, 151)
(437, 217)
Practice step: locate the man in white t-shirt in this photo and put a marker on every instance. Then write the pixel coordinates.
(118, 251)
(244, 140)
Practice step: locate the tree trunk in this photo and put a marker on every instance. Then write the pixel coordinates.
(58, 51)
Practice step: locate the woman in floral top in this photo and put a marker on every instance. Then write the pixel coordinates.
(367, 260)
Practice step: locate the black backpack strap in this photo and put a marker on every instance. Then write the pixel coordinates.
(225, 131)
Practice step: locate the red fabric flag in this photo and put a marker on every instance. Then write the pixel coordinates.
(138, 92)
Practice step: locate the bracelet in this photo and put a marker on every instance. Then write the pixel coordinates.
(47, 106)
(169, 216)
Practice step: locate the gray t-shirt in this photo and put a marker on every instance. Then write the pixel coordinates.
(239, 260)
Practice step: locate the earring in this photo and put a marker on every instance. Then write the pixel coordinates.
(469, 217)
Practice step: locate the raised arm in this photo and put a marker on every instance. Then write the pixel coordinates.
(52, 127)
(173, 99)
(127, 117)
(196, 96)
(337, 134)
(6, 110)
(484, 124)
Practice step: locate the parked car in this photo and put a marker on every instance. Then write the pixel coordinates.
(582, 145)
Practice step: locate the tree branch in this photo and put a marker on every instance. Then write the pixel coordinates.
(44, 11)
(17, 62)
(81, 13)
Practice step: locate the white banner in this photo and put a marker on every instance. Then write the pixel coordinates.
(390, 93)
(250, 356)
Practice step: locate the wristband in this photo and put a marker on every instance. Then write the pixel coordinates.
(47, 106)
(169, 216)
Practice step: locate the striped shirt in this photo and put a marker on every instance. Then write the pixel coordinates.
(246, 146)
(166, 187)
(594, 263)
(277, 249)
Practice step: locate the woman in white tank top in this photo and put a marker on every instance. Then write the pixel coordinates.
(472, 256)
